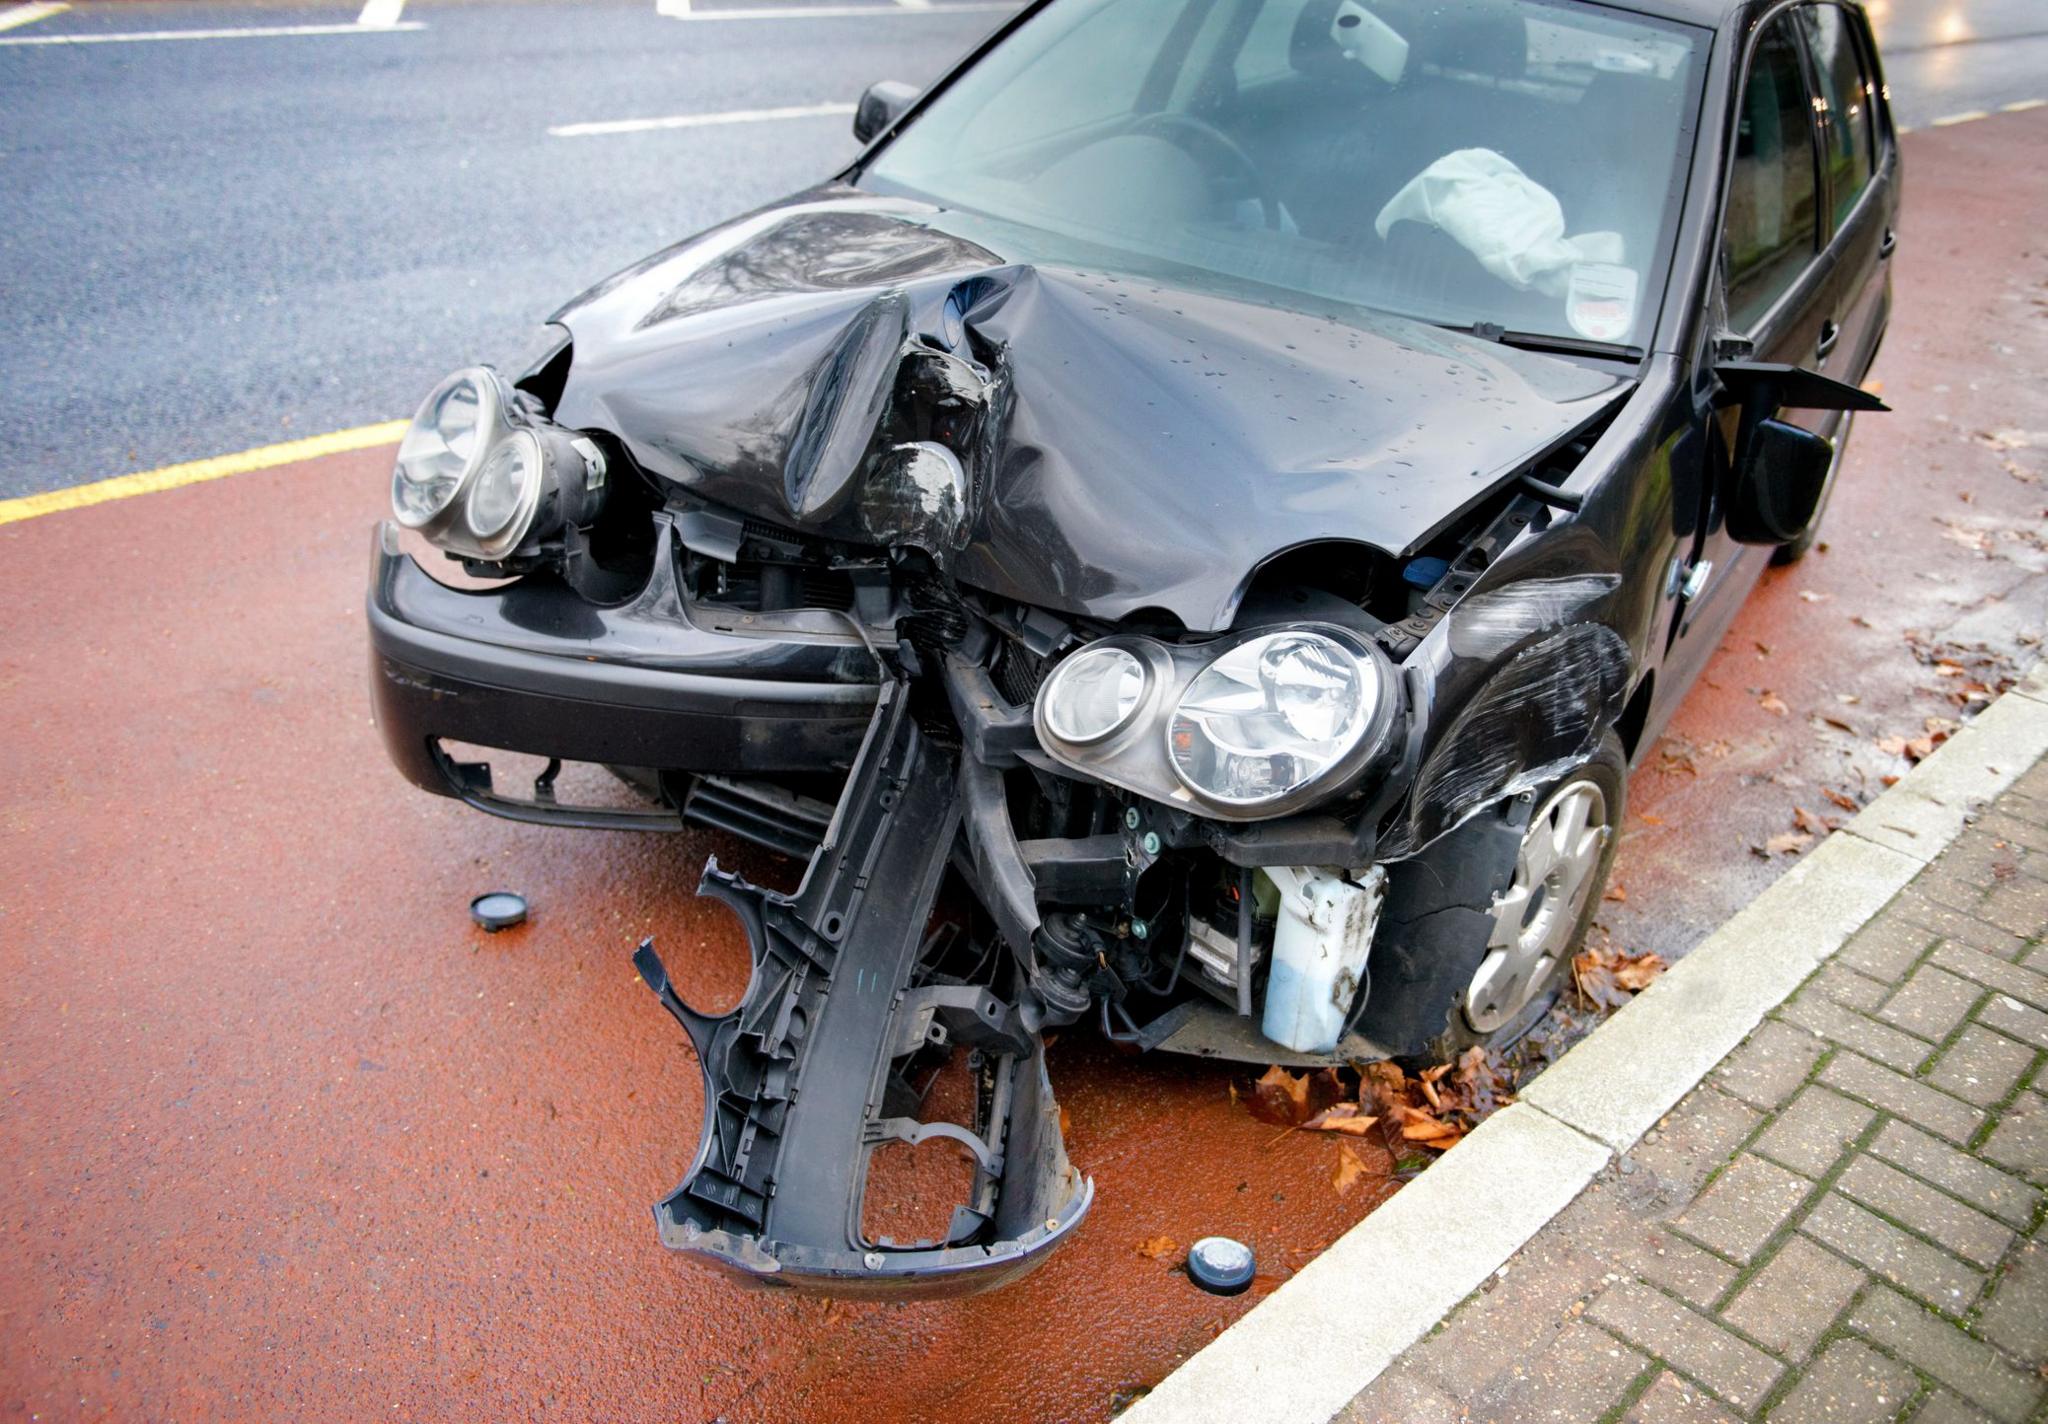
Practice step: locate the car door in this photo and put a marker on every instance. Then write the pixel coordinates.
(1772, 288)
(1860, 195)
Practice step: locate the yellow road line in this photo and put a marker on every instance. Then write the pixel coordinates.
(18, 15)
(194, 472)
(2022, 106)
(1966, 117)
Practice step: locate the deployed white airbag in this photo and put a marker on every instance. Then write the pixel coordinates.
(1510, 222)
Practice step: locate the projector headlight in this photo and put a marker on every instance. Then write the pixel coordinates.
(1271, 717)
(1094, 694)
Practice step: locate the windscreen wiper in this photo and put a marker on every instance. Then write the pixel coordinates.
(1543, 341)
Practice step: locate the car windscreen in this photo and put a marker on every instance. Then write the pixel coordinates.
(1517, 163)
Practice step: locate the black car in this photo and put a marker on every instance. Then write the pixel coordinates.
(1184, 535)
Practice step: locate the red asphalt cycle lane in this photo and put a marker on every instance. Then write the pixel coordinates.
(283, 1135)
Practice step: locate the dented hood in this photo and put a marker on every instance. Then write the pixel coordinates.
(1077, 433)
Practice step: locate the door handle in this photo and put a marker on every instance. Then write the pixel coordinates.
(1888, 246)
(1830, 333)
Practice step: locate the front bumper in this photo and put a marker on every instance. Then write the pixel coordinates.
(533, 667)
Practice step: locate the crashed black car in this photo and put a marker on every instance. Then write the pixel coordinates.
(1220, 488)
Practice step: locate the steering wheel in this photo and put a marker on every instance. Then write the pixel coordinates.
(1195, 135)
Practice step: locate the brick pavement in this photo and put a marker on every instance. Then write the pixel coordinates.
(1842, 1223)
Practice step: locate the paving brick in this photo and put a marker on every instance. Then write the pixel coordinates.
(1952, 924)
(1672, 1399)
(1745, 1207)
(1694, 1138)
(1868, 1037)
(2009, 1016)
(1814, 1130)
(2021, 981)
(2000, 825)
(1916, 1206)
(1688, 1341)
(1957, 1173)
(1887, 947)
(1849, 988)
(1941, 1407)
(2019, 905)
(1932, 1003)
(1914, 1101)
(1981, 1066)
(1580, 1374)
(1685, 1270)
(1790, 1303)
(2020, 1141)
(1850, 1384)
(1401, 1396)
(1892, 1255)
(1513, 1317)
(1771, 1064)
(1969, 1367)
(2016, 1320)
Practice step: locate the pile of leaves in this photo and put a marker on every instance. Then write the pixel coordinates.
(1605, 978)
(1433, 1108)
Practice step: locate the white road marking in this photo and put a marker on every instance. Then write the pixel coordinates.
(696, 121)
(2023, 105)
(380, 14)
(915, 4)
(15, 16)
(1963, 118)
(681, 10)
(263, 32)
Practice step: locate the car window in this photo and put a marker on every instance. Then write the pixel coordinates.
(1845, 88)
(1263, 56)
(1768, 234)
(1517, 163)
(1093, 72)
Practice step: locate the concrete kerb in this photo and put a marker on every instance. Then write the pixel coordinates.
(1306, 1350)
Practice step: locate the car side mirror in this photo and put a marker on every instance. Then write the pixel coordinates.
(1780, 471)
(882, 105)
(1778, 482)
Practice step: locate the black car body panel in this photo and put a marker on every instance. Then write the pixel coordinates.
(862, 472)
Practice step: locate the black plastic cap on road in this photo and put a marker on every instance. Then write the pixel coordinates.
(1220, 1265)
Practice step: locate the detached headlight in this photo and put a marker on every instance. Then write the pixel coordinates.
(1265, 726)
(444, 446)
(478, 476)
(1271, 717)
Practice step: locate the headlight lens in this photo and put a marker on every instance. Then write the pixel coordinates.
(1094, 694)
(506, 488)
(443, 446)
(1270, 716)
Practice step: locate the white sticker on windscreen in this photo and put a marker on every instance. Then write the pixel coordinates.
(1600, 301)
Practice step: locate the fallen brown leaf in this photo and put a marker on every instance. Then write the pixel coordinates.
(1158, 1248)
(1847, 803)
(1773, 704)
(1787, 843)
(1616, 892)
(1280, 1097)
(1350, 1168)
(1341, 1117)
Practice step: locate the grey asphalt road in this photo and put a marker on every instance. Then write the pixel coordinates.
(211, 244)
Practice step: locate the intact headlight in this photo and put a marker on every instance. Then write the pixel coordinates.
(1093, 694)
(1271, 717)
(1240, 731)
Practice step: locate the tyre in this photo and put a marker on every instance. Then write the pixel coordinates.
(1539, 918)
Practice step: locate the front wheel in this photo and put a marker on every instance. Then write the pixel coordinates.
(1539, 919)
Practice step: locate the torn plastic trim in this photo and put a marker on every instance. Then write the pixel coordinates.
(797, 1077)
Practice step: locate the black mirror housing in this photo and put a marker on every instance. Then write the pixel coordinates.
(883, 104)
(1778, 482)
